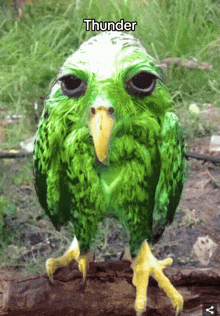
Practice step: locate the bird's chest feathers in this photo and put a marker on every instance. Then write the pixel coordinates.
(110, 178)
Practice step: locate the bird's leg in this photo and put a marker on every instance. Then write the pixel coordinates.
(145, 265)
(72, 253)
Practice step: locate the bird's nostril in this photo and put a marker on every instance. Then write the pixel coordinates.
(110, 111)
(93, 110)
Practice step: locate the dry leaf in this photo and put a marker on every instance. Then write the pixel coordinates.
(204, 249)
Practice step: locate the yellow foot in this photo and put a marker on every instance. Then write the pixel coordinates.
(72, 253)
(144, 266)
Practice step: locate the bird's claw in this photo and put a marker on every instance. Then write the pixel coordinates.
(82, 265)
(51, 266)
(144, 266)
(179, 303)
(50, 275)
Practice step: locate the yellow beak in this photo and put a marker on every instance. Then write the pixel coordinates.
(101, 124)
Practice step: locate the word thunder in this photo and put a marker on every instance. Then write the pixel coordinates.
(92, 25)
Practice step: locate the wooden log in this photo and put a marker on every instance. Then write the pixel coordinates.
(108, 291)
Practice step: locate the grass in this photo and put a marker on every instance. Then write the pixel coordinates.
(33, 49)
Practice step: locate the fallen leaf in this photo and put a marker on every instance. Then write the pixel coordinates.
(204, 249)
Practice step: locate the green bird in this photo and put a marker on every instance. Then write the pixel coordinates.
(107, 144)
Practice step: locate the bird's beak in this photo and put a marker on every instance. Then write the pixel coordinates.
(101, 124)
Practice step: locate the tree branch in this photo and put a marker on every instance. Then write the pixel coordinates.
(202, 157)
(109, 291)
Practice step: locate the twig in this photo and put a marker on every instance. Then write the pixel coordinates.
(203, 157)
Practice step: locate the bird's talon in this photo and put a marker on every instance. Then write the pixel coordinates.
(51, 266)
(144, 266)
(83, 286)
(140, 304)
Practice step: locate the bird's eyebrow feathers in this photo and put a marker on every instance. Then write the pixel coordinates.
(79, 73)
(126, 71)
(132, 70)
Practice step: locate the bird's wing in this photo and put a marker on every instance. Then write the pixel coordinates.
(50, 172)
(172, 174)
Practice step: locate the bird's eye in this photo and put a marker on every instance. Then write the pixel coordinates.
(72, 86)
(142, 84)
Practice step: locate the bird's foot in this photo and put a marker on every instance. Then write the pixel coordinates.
(72, 253)
(144, 266)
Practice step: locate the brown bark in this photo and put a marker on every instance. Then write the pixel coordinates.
(109, 291)
(186, 63)
(202, 157)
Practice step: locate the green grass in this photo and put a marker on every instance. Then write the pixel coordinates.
(33, 49)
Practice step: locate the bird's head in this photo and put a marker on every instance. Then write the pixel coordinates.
(106, 83)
